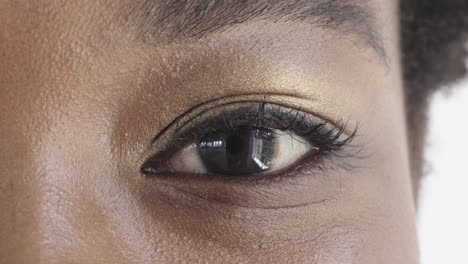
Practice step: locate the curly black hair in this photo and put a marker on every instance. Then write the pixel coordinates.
(434, 36)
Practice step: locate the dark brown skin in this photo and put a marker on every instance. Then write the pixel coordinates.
(81, 99)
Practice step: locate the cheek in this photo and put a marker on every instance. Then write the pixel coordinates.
(385, 192)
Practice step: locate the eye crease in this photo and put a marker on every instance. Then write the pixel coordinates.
(249, 140)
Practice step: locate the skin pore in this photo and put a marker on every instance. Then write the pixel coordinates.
(86, 88)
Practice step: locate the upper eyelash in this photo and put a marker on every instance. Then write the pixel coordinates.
(320, 133)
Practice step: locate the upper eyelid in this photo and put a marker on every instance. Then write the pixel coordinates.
(286, 99)
(181, 122)
(257, 110)
(219, 102)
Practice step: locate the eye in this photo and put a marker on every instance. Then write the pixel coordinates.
(241, 152)
(253, 139)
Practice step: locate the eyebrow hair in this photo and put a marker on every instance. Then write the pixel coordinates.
(185, 19)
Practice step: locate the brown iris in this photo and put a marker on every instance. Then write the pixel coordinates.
(239, 152)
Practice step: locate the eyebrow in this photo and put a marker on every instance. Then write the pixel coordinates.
(194, 19)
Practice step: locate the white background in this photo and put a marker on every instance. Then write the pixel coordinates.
(443, 211)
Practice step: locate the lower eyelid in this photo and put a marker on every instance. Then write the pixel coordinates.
(247, 199)
(219, 199)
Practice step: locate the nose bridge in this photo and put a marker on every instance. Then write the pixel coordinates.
(39, 212)
(20, 197)
(32, 206)
(42, 213)
(19, 224)
(50, 208)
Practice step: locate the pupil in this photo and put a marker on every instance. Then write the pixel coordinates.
(242, 152)
(235, 144)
